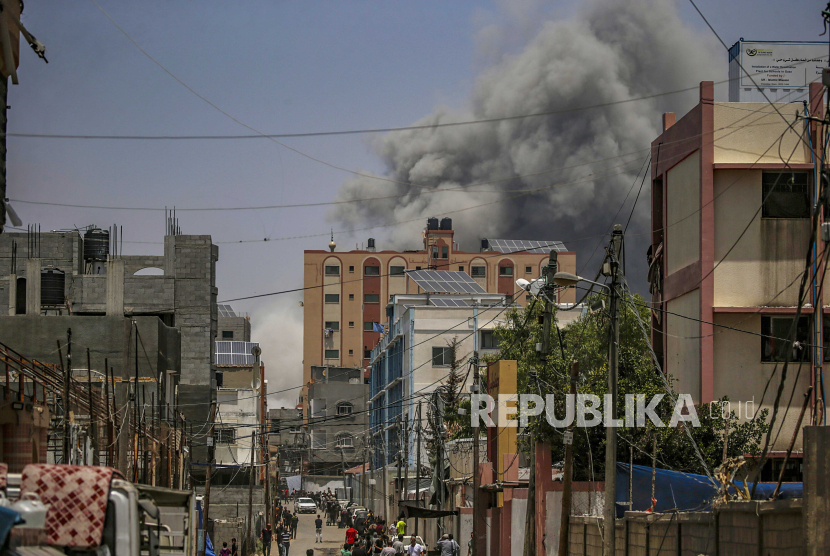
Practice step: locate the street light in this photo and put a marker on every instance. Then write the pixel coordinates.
(566, 280)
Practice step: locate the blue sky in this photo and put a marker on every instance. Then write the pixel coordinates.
(282, 67)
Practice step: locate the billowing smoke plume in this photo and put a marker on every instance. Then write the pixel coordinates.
(278, 326)
(607, 52)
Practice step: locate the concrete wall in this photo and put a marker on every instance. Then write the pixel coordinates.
(759, 131)
(768, 528)
(682, 200)
(683, 343)
(239, 326)
(769, 255)
(740, 374)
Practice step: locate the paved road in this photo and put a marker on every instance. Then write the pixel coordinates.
(332, 538)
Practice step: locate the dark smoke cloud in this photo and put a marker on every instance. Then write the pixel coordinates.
(607, 51)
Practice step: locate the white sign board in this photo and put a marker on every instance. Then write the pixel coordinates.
(782, 64)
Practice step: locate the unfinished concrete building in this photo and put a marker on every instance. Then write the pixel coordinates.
(53, 281)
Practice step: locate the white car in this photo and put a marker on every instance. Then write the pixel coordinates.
(305, 506)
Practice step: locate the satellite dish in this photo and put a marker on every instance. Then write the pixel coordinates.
(255, 384)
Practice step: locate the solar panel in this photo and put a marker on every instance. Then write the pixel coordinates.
(445, 281)
(445, 302)
(235, 353)
(528, 245)
(225, 311)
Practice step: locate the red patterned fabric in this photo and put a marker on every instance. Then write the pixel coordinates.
(4, 470)
(77, 496)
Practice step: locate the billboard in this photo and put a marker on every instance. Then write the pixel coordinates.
(780, 64)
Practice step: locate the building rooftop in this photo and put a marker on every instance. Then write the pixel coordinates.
(528, 245)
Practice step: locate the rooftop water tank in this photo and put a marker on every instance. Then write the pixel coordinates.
(446, 223)
(52, 284)
(432, 223)
(96, 245)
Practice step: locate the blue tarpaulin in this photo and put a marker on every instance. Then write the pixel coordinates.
(686, 492)
(208, 545)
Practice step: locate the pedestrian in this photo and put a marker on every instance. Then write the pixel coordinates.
(414, 549)
(318, 525)
(295, 523)
(401, 526)
(378, 547)
(265, 537)
(351, 536)
(470, 544)
(388, 550)
(309, 552)
(398, 544)
(346, 550)
(234, 549)
(359, 550)
(279, 532)
(225, 550)
(393, 529)
(286, 541)
(447, 545)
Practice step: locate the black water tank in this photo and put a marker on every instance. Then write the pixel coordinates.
(432, 223)
(446, 223)
(52, 284)
(96, 245)
(485, 244)
(371, 243)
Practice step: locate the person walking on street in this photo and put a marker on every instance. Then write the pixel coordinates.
(286, 541)
(318, 526)
(398, 544)
(225, 550)
(295, 522)
(346, 550)
(447, 545)
(414, 549)
(401, 526)
(234, 549)
(388, 550)
(265, 537)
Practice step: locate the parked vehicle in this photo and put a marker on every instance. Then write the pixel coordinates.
(305, 505)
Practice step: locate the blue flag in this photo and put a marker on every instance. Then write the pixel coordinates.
(378, 327)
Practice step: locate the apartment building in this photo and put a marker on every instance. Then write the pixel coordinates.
(732, 190)
(346, 291)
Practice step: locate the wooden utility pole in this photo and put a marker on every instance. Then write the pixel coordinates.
(251, 478)
(67, 379)
(418, 466)
(107, 411)
(210, 446)
(479, 523)
(567, 472)
(406, 456)
(93, 422)
(135, 408)
(268, 517)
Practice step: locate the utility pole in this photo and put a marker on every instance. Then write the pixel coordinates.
(93, 424)
(406, 456)
(210, 446)
(247, 545)
(364, 494)
(268, 512)
(479, 524)
(418, 467)
(439, 416)
(567, 473)
(400, 460)
(67, 378)
(610, 509)
(107, 411)
(135, 408)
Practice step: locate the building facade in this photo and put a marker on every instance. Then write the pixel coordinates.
(346, 292)
(730, 233)
(79, 279)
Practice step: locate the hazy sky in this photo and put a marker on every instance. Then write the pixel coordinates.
(282, 67)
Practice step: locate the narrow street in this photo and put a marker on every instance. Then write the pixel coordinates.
(333, 538)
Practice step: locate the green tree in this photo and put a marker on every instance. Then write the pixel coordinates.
(587, 341)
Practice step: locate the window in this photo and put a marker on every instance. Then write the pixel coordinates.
(351, 324)
(332, 354)
(345, 440)
(351, 352)
(227, 334)
(528, 269)
(371, 298)
(345, 408)
(445, 252)
(460, 268)
(333, 324)
(434, 251)
(224, 435)
(505, 271)
(478, 271)
(371, 271)
(332, 271)
(220, 379)
(775, 330)
(368, 327)
(396, 270)
(351, 297)
(489, 340)
(332, 298)
(367, 354)
(351, 269)
(441, 356)
(786, 194)
(318, 440)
